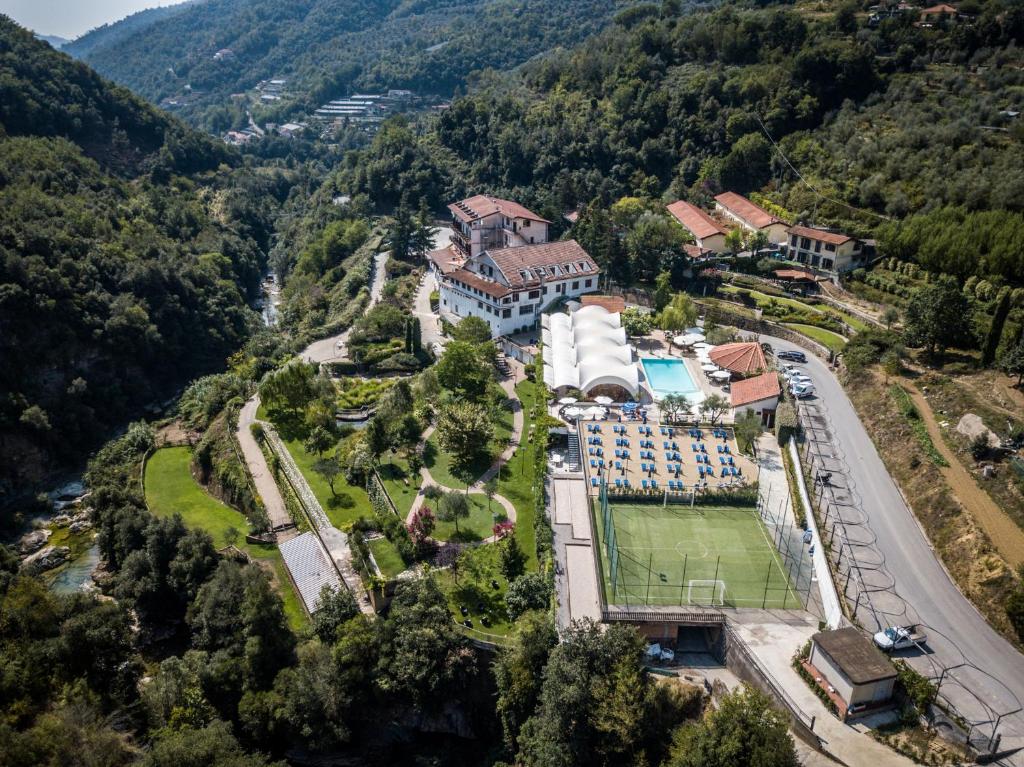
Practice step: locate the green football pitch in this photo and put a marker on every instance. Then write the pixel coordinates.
(678, 555)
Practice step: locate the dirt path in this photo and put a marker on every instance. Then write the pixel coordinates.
(1006, 536)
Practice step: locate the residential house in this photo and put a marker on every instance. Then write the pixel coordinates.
(938, 13)
(483, 222)
(819, 248)
(752, 217)
(508, 286)
(708, 234)
(759, 394)
(855, 674)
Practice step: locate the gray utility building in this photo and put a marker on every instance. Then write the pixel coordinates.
(858, 673)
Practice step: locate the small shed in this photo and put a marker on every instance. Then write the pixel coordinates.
(851, 669)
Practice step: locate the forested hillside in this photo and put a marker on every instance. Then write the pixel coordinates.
(880, 122)
(129, 250)
(110, 33)
(328, 47)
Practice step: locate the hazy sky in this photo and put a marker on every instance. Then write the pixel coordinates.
(71, 18)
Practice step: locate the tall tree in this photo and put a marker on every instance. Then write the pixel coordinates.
(995, 331)
(452, 507)
(937, 317)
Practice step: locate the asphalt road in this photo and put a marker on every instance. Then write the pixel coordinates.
(905, 580)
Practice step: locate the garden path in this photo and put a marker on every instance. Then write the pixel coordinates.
(508, 383)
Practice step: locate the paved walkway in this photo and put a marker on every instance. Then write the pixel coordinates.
(334, 348)
(430, 322)
(576, 583)
(509, 385)
(262, 477)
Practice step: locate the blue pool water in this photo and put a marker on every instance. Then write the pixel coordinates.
(668, 377)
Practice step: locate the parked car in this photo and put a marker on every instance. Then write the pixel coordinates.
(900, 637)
(802, 389)
(792, 356)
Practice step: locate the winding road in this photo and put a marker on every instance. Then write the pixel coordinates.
(903, 579)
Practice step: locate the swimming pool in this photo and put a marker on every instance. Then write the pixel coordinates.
(668, 377)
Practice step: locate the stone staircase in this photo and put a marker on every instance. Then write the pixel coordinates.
(572, 458)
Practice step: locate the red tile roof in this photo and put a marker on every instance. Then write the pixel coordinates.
(941, 8)
(613, 304)
(473, 280)
(695, 251)
(755, 389)
(548, 255)
(483, 205)
(744, 358)
(446, 260)
(695, 220)
(794, 274)
(833, 238)
(744, 209)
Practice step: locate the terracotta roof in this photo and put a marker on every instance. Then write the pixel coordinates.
(755, 389)
(572, 216)
(446, 260)
(613, 304)
(794, 274)
(482, 205)
(743, 357)
(695, 220)
(473, 280)
(832, 238)
(941, 8)
(695, 251)
(753, 214)
(855, 656)
(520, 265)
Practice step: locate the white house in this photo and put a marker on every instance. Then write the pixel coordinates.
(707, 233)
(483, 222)
(759, 394)
(751, 217)
(509, 286)
(830, 251)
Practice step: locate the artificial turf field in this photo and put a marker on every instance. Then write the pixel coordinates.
(678, 555)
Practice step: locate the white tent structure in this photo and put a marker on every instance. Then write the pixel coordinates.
(587, 348)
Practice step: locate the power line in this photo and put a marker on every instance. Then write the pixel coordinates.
(807, 183)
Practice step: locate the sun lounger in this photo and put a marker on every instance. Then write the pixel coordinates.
(618, 483)
(618, 464)
(668, 456)
(654, 484)
(643, 482)
(664, 430)
(593, 481)
(593, 463)
(725, 471)
(625, 482)
(730, 461)
(733, 472)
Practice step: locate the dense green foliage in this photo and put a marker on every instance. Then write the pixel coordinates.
(128, 253)
(329, 47)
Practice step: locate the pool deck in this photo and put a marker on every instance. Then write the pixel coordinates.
(657, 347)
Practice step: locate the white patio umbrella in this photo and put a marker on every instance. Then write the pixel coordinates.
(573, 412)
(680, 341)
(595, 412)
(722, 375)
(567, 401)
(603, 400)
(702, 345)
(709, 367)
(696, 337)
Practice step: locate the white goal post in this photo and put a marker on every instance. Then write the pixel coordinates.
(705, 592)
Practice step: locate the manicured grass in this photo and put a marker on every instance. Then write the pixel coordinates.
(170, 489)
(763, 299)
(833, 341)
(475, 527)
(474, 591)
(387, 557)
(664, 552)
(346, 504)
(401, 486)
(441, 466)
(518, 476)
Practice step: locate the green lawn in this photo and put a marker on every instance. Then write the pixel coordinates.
(440, 463)
(346, 504)
(763, 299)
(518, 476)
(386, 556)
(170, 489)
(474, 591)
(403, 488)
(674, 555)
(833, 341)
(475, 527)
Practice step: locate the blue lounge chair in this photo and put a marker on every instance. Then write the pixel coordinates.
(593, 481)
(625, 482)
(654, 484)
(590, 451)
(593, 463)
(664, 430)
(719, 449)
(725, 471)
(643, 482)
(618, 453)
(668, 456)
(625, 454)
(721, 460)
(730, 461)
(618, 483)
(665, 444)
(643, 467)
(702, 448)
(618, 465)
(733, 472)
